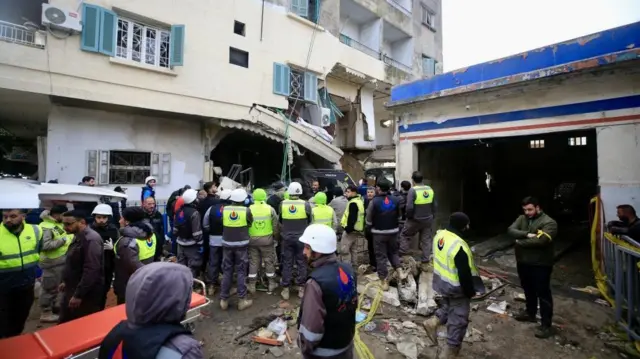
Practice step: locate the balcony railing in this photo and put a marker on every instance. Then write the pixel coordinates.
(359, 46)
(389, 61)
(21, 35)
(400, 6)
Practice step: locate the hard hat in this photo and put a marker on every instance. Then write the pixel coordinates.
(189, 196)
(103, 209)
(224, 194)
(295, 189)
(321, 238)
(150, 178)
(238, 195)
(320, 198)
(259, 195)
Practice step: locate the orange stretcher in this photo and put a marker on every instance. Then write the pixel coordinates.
(80, 338)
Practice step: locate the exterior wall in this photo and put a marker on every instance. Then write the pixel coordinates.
(74, 131)
(428, 41)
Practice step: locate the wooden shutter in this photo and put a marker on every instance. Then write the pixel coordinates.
(176, 46)
(89, 40)
(310, 87)
(281, 79)
(108, 32)
(103, 167)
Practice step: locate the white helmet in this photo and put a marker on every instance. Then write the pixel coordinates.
(321, 238)
(103, 209)
(150, 178)
(189, 196)
(224, 194)
(238, 195)
(295, 189)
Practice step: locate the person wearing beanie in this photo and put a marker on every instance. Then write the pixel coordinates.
(456, 278)
(188, 233)
(262, 232)
(135, 248)
(212, 225)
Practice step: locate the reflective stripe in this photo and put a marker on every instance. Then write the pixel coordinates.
(309, 335)
(322, 221)
(270, 275)
(261, 218)
(18, 269)
(20, 251)
(445, 245)
(235, 244)
(253, 275)
(18, 255)
(198, 233)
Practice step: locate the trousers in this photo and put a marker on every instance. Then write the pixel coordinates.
(348, 248)
(370, 248)
(410, 229)
(454, 313)
(49, 296)
(386, 249)
(259, 254)
(15, 305)
(92, 303)
(234, 258)
(191, 257)
(214, 267)
(536, 283)
(292, 251)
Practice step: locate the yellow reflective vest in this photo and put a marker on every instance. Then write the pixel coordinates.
(424, 195)
(445, 247)
(18, 253)
(293, 209)
(58, 233)
(322, 214)
(234, 216)
(359, 226)
(146, 247)
(262, 225)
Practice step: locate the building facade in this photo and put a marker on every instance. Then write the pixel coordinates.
(121, 90)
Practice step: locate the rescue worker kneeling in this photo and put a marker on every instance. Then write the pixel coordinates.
(236, 220)
(134, 249)
(456, 278)
(158, 297)
(262, 232)
(326, 322)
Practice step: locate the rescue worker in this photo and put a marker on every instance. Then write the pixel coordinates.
(135, 248)
(203, 205)
(55, 242)
(149, 188)
(188, 233)
(534, 232)
(456, 278)
(212, 224)
(158, 297)
(420, 213)
(19, 246)
(262, 232)
(383, 215)
(103, 225)
(82, 278)
(326, 323)
(405, 186)
(339, 204)
(295, 216)
(236, 219)
(154, 218)
(323, 214)
(353, 226)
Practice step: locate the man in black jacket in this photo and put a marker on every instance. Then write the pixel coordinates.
(103, 225)
(203, 205)
(155, 219)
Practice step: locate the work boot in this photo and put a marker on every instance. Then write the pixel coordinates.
(285, 293)
(211, 290)
(385, 285)
(544, 332)
(48, 317)
(523, 316)
(244, 303)
(251, 286)
(451, 352)
(273, 284)
(426, 267)
(300, 292)
(224, 304)
(431, 327)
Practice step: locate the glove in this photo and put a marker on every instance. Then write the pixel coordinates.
(108, 245)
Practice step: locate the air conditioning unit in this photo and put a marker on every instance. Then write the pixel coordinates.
(59, 19)
(325, 119)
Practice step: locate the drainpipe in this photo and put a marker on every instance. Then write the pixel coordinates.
(262, 20)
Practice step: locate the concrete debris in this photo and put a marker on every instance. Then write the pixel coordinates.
(408, 289)
(265, 333)
(390, 297)
(519, 297)
(409, 325)
(499, 308)
(475, 307)
(408, 349)
(602, 302)
(473, 335)
(426, 295)
(489, 328)
(277, 352)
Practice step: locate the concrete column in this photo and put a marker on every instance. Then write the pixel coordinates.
(406, 159)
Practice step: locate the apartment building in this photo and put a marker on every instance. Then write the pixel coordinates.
(122, 90)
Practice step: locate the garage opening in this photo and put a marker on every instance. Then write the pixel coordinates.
(488, 178)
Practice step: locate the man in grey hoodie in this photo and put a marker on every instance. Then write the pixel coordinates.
(158, 297)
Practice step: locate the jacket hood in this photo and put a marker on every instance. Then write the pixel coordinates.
(46, 217)
(137, 230)
(158, 293)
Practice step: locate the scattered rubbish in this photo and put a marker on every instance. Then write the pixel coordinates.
(499, 308)
(408, 289)
(602, 302)
(588, 289)
(390, 297)
(265, 333)
(489, 328)
(360, 316)
(475, 307)
(473, 335)
(408, 349)
(267, 341)
(409, 325)
(426, 295)
(519, 297)
(277, 352)
(286, 334)
(366, 304)
(377, 326)
(278, 326)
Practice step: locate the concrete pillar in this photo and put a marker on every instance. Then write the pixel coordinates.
(406, 159)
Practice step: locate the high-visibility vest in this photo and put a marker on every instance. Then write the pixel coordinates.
(293, 209)
(262, 225)
(360, 219)
(424, 195)
(322, 214)
(234, 216)
(58, 233)
(445, 247)
(18, 253)
(146, 247)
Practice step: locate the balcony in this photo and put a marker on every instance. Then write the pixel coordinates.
(397, 48)
(359, 46)
(22, 35)
(402, 5)
(398, 65)
(361, 28)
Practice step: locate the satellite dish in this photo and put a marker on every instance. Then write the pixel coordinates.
(55, 15)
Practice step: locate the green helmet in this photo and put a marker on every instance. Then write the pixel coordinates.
(320, 198)
(259, 195)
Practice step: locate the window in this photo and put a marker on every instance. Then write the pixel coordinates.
(238, 57)
(428, 66)
(295, 84)
(309, 9)
(238, 28)
(428, 17)
(578, 141)
(536, 144)
(141, 43)
(128, 167)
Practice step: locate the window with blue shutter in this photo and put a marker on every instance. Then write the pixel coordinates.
(281, 79)
(300, 7)
(310, 87)
(90, 38)
(108, 31)
(176, 54)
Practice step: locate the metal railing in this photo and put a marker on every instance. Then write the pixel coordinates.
(399, 65)
(21, 35)
(359, 46)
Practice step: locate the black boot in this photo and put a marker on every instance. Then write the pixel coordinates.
(523, 316)
(544, 332)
